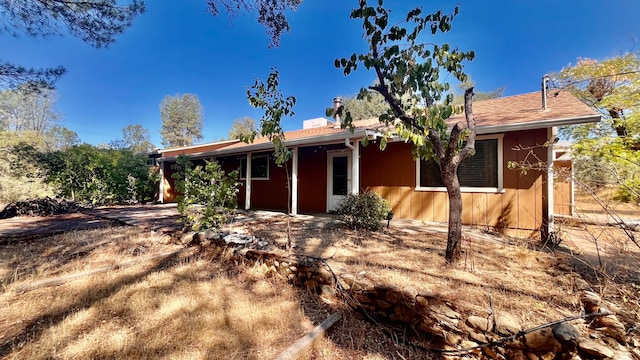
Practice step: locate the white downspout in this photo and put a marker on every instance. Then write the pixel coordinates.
(294, 182)
(355, 165)
(247, 185)
(161, 185)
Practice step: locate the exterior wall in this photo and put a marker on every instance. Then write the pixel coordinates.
(271, 194)
(392, 174)
(562, 188)
(169, 193)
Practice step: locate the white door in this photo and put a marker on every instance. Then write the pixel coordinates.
(338, 177)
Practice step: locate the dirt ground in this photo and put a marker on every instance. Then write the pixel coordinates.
(62, 295)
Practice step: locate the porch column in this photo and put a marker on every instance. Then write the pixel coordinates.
(355, 167)
(294, 182)
(161, 185)
(247, 185)
(549, 227)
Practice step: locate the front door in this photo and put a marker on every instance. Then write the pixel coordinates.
(338, 177)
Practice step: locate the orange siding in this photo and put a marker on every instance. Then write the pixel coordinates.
(392, 174)
(562, 186)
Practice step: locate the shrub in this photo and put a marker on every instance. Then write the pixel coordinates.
(365, 210)
(208, 195)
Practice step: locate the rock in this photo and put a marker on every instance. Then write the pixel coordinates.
(542, 341)
(481, 338)
(327, 290)
(507, 324)
(238, 239)
(479, 323)
(612, 327)
(443, 309)
(567, 334)
(515, 354)
(595, 348)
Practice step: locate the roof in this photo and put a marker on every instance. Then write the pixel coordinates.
(511, 113)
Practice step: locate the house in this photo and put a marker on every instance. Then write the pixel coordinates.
(329, 162)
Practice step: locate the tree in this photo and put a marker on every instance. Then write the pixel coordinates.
(137, 138)
(371, 105)
(477, 95)
(271, 13)
(182, 120)
(268, 97)
(96, 22)
(61, 138)
(242, 127)
(24, 109)
(610, 150)
(405, 67)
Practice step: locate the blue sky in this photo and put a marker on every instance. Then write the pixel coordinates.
(176, 47)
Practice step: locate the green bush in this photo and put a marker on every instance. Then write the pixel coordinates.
(364, 211)
(208, 195)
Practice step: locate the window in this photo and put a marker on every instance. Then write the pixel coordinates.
(481, 173)
(259, 167)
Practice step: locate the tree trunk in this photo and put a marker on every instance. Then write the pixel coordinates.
(454, 234)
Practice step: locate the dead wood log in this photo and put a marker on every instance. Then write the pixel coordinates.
(304, 342)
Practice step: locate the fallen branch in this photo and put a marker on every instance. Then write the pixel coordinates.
(304, 342)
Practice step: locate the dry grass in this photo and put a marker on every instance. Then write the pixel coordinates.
(189, 306)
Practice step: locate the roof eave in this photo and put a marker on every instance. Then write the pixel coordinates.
(337, 137)
(542, 124)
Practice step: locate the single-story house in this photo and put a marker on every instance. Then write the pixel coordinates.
(329, 162)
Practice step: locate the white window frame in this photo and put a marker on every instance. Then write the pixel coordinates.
(499, 189)
(253, 158)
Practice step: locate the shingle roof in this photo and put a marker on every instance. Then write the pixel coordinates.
(494, 115)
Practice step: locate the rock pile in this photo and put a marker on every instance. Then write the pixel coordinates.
(40, 207)
(461, 330)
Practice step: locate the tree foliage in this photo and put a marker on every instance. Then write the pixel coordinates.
(137, 138)
(271, 13)
(242, 128)
(25, 109)
(408, 78)
(96, 22)
(367, 106)
(182, 120)
(208, 194)
(267, 96)
(98, 176)
(607, 152)
(60, 138)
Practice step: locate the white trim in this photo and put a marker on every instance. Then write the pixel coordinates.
(294, 181)
(355, 165)
(248, 167)
(499, 189)
(330, 155)
(247, 184)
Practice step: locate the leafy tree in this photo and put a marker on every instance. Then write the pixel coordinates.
(61, 138)
(98, 176)
(96, 22)
(181, 120)
(477, 95)
(26, 109)
(405, 67)
(242, 127)
(137, 138)
(271, 13)
(610, 150)
(208, 194)
(268, 97)
(368, 106)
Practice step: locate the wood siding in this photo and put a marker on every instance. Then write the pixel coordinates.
(392, 174)
(312, 179)
(562, 188)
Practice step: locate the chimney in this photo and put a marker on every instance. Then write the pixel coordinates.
(545, 80)
(337, 102)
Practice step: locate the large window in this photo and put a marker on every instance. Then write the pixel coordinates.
(259, 167)
(482, 172)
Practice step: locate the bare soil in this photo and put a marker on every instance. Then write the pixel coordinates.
(198, 305)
